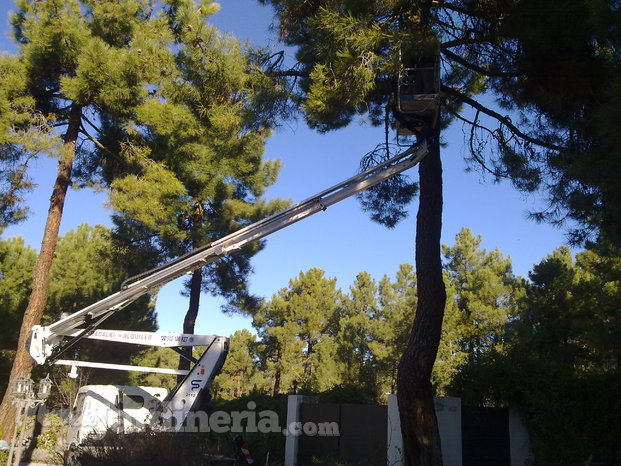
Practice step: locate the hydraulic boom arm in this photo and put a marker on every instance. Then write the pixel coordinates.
(50, 342)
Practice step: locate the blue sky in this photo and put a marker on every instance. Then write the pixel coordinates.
(342, 240)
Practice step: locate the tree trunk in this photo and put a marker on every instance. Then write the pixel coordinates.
(419, 425)
(276, 390)
(22, 365)
(190, 316)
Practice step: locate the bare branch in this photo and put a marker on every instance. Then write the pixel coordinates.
(475, 125)
(85, 118)
(462, 41)
(288, 73)
(501, 119)
(95, 141)
(476, 68)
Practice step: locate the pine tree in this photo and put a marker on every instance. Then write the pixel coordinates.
(353, 336)
(74, 66)
(207, 129)
(390, 325)
(298, 327)
(570, 76)
(92, 84)
(240, 374)
(484, 294)
(349, 54)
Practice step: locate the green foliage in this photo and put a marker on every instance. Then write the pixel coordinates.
(390, 326)
(556, 355)
(561, 85)
(192, 169)
(298, 326)
(349, 51)
(483, 295)
(16, 265)
(240, 374)
(22, 128)
(50, 440)
(315, 338)
(89, 266)
(352, 338)
(166, 114)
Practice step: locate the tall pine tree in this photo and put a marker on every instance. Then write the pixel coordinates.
(85, 88)
(349, 54)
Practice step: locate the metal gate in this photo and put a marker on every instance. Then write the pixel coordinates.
(485, 436)
(362, 434)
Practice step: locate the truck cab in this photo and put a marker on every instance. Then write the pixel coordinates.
(121, 409)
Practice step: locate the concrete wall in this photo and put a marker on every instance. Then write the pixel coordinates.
(521, 452)
(293, 416)
(448, 411)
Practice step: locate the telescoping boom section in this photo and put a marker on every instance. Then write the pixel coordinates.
(48, 343)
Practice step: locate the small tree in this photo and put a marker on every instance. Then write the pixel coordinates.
(78, 63)
(297, 327)
(484, 297)
(240, 374)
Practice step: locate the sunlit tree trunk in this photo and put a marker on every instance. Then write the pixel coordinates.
(22, 365)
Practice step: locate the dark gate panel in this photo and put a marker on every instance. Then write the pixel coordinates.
(485, 436)
(364, 434)
(318, 446)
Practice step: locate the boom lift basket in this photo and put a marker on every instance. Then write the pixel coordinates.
(418, 97)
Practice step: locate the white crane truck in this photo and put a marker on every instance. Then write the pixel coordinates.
(99, 407)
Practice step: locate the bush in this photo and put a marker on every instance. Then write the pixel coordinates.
(261, 445)
(49, 440)
(147, 448)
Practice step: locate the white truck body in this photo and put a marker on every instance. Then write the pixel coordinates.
(121, 409)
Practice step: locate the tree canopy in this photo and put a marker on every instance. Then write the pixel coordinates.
(546, 115)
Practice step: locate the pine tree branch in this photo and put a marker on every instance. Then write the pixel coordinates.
(95, 141)
(462, 41)
(85, 118)
(288, 74)
(476, 68)
(500, 118)
(474, 125)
